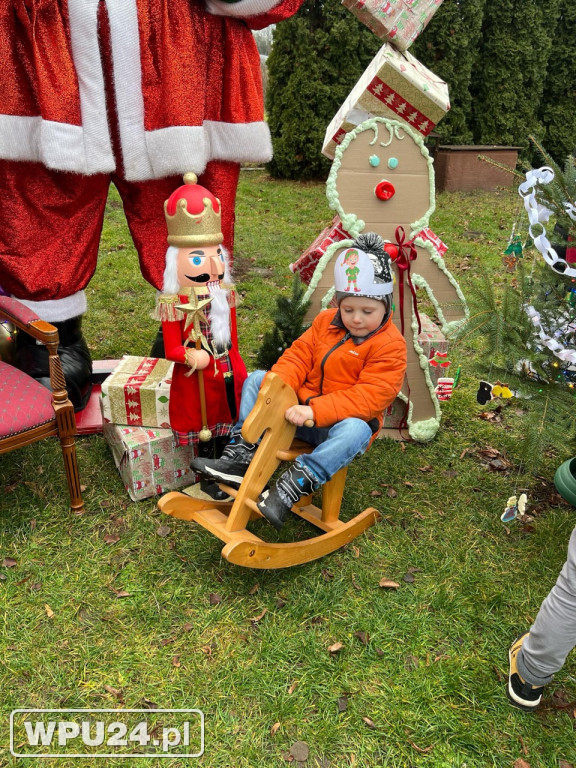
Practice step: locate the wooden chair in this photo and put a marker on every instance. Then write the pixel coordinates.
(228, 520)
(29, 411)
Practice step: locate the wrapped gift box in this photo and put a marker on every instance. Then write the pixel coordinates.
(400, 21)
(137, 393)
(395, 85)
(306, 264)
(148, 459)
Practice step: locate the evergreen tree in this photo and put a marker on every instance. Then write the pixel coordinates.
(449, 48)
(557, 109)
(508, 79)
(288, 325)
(525, 355)
(317, 57)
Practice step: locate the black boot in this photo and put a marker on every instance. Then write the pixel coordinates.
(292, 485)
(32, 358)
(231, 467)
(158, 345)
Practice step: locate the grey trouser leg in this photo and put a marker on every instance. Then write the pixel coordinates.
(553, 634)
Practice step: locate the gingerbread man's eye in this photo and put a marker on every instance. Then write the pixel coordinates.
(374, 161)
(393, 163)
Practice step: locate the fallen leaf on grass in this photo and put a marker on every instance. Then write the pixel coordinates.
(274, 729)
(114, 692)
(254, 589)
(293, 687)
(148, 704)
(408, 484)
(49, 611)
(565, 764)
(215, 599)
(412, 662)
(167, 641)
(187, 627)
(424, 750)
(299, 751)
(327, 575)
(163, 531)
(342, 704)
(391, 493)
(23, 581)
(9, 562)
(388, 584)
(408, 578)
(426, 468)
(521, 763)
(362, 636)
(376, 493)
(256, 619)
(370, 723)
(355, 583)
(335, 648)
(176, 661)
(111, 538)
(120, 592)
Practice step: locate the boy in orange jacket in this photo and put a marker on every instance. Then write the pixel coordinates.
(346, 369)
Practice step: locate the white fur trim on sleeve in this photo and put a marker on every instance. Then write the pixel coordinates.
(58, 310)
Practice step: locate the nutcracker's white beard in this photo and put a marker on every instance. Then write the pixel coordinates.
(219, 310)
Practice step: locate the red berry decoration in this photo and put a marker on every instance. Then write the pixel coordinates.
(384, 190)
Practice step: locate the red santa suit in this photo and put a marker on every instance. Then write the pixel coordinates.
(131, 91)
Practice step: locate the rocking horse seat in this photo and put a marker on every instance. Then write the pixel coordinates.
(227, 520)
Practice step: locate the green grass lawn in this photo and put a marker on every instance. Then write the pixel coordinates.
(419, 680)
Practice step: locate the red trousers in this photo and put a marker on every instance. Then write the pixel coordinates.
(52, 221)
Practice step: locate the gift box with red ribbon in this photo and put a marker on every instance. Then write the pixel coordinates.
(306, 264)
(395, 85)
(137, 393)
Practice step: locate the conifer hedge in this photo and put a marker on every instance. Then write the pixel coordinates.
(510, 67)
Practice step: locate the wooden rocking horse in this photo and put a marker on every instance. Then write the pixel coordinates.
(227, 520)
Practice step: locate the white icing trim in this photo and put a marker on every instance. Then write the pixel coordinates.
(241, 9)
(58, 310)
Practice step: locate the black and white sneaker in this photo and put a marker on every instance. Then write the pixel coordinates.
(291, 486)
(520, 693)
(231, 467)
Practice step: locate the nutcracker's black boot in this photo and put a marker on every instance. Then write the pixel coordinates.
(158, 345)
(32, 358)
(231, 467)
(292, 485)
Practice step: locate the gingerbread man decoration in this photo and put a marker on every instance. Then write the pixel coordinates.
(382, 181)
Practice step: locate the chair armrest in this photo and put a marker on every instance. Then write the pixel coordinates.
(26, 320)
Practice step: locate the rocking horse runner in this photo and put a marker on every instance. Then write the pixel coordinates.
(342, 373)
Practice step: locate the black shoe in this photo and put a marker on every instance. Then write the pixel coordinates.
(231, 467)
(32, 358)
(520, 693)
(210, 488)
(292, 485)
(158, 345)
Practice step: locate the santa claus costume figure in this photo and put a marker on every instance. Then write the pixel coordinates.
(134, 92)
(198, 326)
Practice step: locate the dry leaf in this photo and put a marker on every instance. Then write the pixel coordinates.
(342, 704)
(187, 627)
(176, 661)
(167, 641)
(335, 648)
(408, 578)
(370, 723)
(111, 538)
(426, 468)
(114, 692)
(421, 749)
(362, 636)
(9, 562)
(163, 531)
(521, 763)
(256, 619)
(49, 611)
(274, 729)
(215, 599)
(356, 551)
(299, 751)
(391, 493)
(327, 575)
(388, 584)
(355, 583)
(565, 764)
(120, 592)
(375, 493)
(293, 687)
(408, 484)
(254, 589)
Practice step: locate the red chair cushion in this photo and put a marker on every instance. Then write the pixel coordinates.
(24, 403)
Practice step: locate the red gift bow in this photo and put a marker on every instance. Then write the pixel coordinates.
(406, 253)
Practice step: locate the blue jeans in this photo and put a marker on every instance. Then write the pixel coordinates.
(336, 446)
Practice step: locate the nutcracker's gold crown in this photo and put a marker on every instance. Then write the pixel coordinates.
(186, 228)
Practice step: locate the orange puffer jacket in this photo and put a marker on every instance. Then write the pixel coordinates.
(339, 379)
